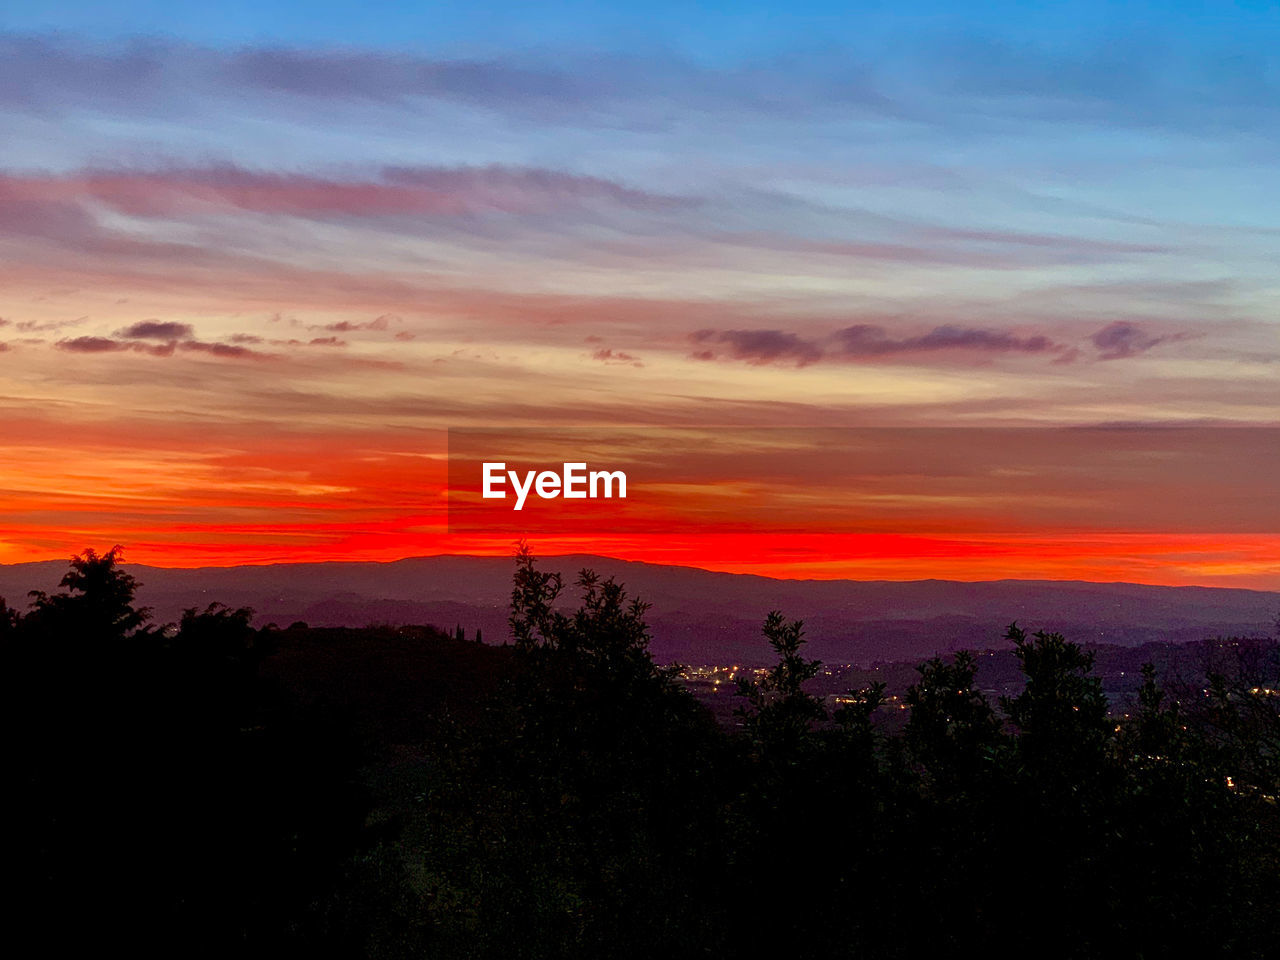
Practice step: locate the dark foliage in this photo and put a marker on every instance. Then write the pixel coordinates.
(166, 800)
(210, 788)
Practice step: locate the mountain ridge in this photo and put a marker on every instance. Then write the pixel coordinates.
(698, 615)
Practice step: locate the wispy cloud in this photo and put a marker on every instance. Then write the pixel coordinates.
(862, 342)
(606, 355)
(758, 346)
(227, 351)
(868, 340)
(1122, 339)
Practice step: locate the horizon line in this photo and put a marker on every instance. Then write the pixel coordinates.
(651, 563)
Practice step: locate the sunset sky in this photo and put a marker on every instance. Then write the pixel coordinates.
(257, 258)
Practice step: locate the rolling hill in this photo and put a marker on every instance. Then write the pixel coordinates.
(699, 616)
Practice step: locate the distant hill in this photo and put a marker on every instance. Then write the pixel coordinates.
(699, 616)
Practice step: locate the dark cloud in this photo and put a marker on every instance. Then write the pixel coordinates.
(759, 346)
(224, 350)
(1124, 339)
(107, 345)
(346, 326)
(871, 340)
(616, 356)
(92, 345)
(157, 330)
(864, 341)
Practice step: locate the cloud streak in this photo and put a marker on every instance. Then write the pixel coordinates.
(865, 342)
(1116, 80)
(102, 345)
(1123, 339)
(758, 346)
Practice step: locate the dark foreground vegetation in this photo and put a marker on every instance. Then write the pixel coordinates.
(207, 788)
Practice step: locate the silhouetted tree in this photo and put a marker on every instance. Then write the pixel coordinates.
(1067, 787)
(779, 711)
(96, 603)
(1061, 713)
(582, 823)
(167, 796)
(9, 618)
(590, 808)
(952, 732)
(1240, 714)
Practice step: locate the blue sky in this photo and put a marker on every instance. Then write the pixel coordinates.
(714, 31)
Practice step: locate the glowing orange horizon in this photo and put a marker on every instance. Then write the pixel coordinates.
(226, 498)
(1172, 560)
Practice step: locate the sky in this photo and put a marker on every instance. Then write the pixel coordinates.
(256, 259)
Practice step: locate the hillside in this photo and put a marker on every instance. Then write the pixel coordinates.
(699, 616)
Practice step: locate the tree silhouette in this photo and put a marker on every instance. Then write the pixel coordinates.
(587, 800)
(96, 604)
(587, 806)
(157, 769)
(1061, 713)
(9, 619)
(779, 711)
(953, 733)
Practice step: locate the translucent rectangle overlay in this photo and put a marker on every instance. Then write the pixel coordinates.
(682, 480)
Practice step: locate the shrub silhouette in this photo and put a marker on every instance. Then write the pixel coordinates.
(588, 807)
(166, 797)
